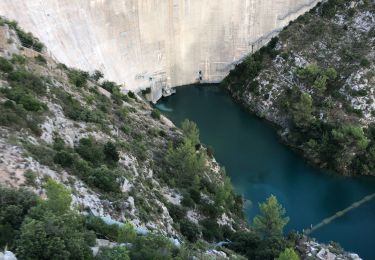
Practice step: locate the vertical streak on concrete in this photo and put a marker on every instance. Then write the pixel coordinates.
(168, 41)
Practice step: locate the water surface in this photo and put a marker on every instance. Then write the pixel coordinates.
(259, 165)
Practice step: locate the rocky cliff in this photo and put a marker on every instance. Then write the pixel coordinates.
(144, 43)
(111, 150)
(316, 83)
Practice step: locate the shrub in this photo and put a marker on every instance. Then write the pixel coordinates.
(18, 59)
(15, 115)
(288, 254)
(14, 206)
(103, 179)
(110, 152)
(25, 79)
(190, 230)
(211, 231)
(28, 101)
(49, 235)
(155, 114)
(97, 75)
(40, 59)
(365, 62)
(78, 78)
(109, 86)
(64, 158)
(115, 253)
(5, 65)
(152, 247)
(30, 178)
(131, 94)
(126, 233)
(28, 40)
(90, 150)
(176, 212)
(195, 195)
(102, 229)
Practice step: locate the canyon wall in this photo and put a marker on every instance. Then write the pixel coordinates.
(158, 43)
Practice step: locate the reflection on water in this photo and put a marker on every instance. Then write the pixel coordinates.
(164, 108)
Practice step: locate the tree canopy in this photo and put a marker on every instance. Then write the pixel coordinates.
(271, 221)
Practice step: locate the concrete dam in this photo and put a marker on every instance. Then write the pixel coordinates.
(154, 43)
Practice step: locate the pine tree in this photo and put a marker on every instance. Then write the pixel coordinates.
(271, 221)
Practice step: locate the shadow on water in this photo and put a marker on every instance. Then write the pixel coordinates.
(259, 165)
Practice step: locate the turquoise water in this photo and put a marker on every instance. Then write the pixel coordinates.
(259, 165)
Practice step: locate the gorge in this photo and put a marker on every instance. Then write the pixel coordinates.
(259, 165)
(81, 142)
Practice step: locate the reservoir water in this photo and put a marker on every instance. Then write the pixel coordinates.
(259, 165)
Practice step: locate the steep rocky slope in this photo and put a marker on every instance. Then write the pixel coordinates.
(316, 84)
(112, 150)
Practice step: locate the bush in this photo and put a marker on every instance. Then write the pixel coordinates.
(288, 254)
(14, 206)
(24, 79)
(110, 152)
(28, 40)
(51, 236)
(126, 233)
(155, 114)
(211, 231)
(97, 75)
(17, 117)
(152, 247)
(40, 59)
(30, 178)
(103, 179)
(90, 150)
(5, 65)
(190, 230)
(78, 78)
(176, 212)
(102, 229)
(131, 94)
(64, 158)
(115, 253)
(18, 59)
(29, 102)
(109, 86)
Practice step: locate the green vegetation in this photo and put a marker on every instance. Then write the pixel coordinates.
(14, 206)
(155, 114)
(97, 75)
(314, 104)
(271, 222)
(115, 253)
(27, 39)
(41, 60)
(191, 131)
(22, 108)
(51, 230)
(288, 254)
(78, 78)
(267, 242)
(5, 65)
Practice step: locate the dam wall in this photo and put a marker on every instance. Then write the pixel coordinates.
(154, 43)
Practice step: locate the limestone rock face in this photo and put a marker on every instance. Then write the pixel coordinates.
(157, 43)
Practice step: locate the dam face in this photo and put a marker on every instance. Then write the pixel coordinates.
(154, 43)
